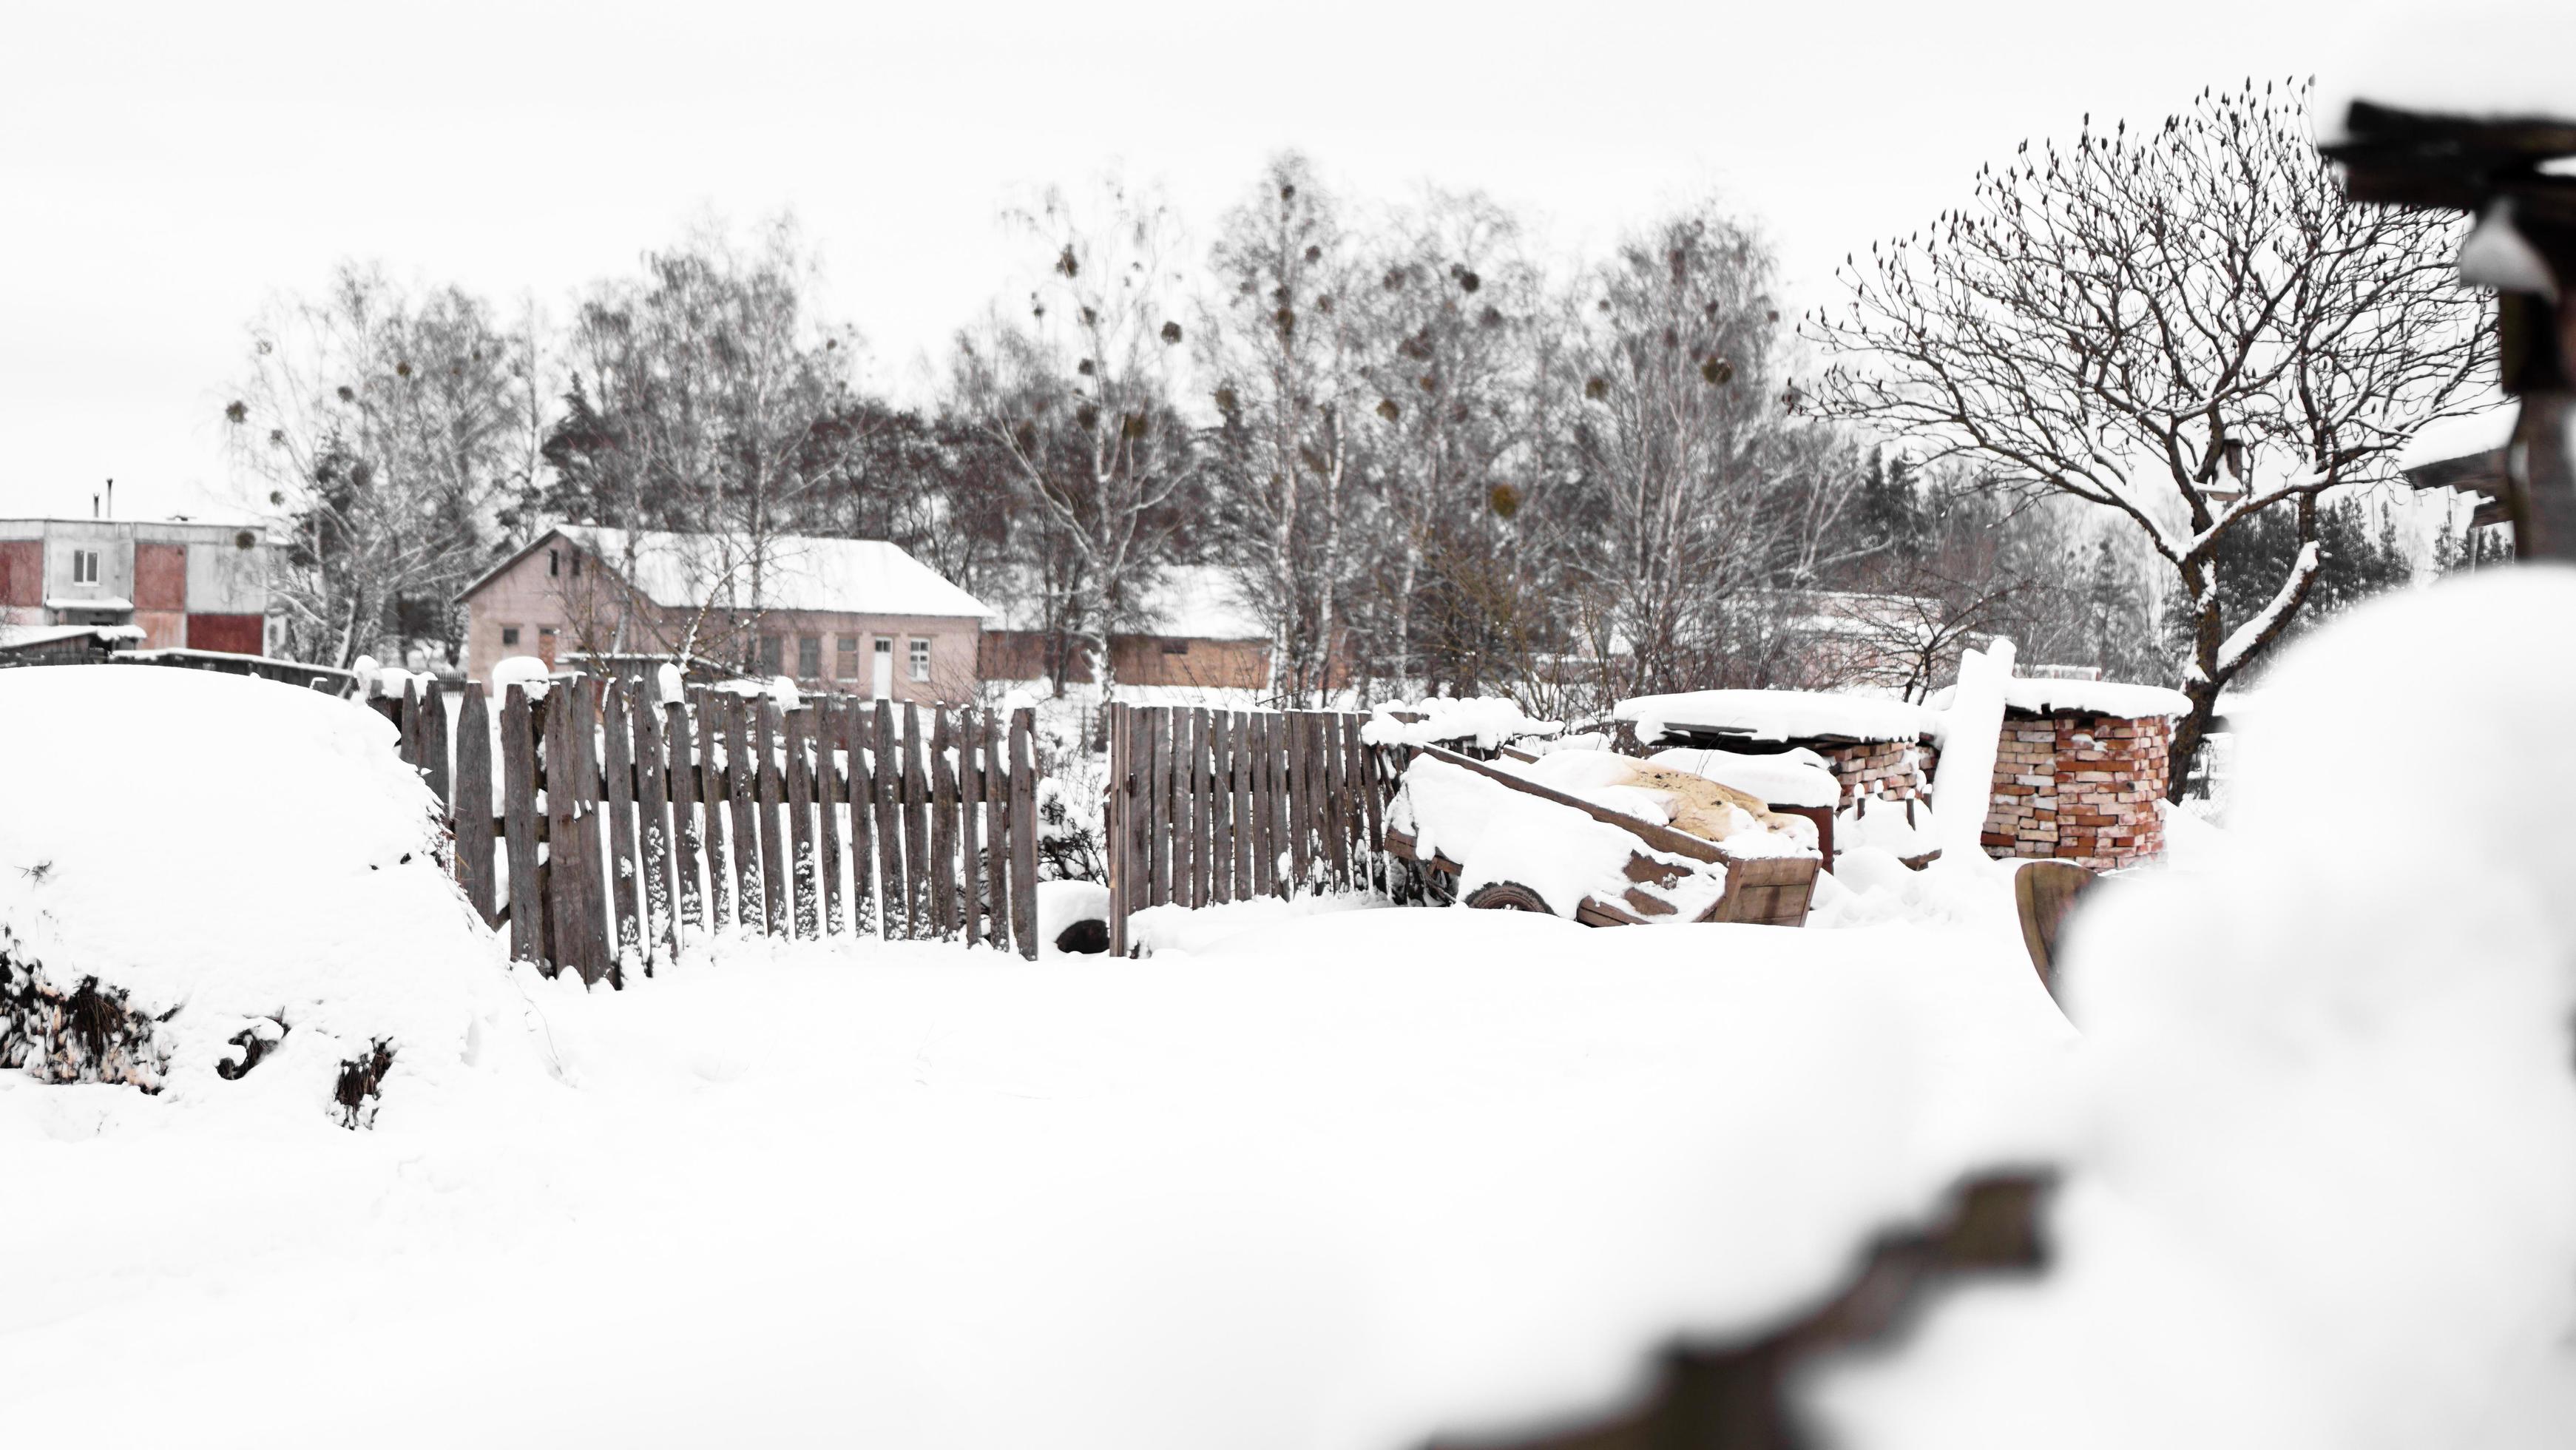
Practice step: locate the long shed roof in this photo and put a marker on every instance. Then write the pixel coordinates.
(848, 576)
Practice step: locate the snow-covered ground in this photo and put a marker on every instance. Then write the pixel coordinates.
(1341, 1180)
(1330, 1175)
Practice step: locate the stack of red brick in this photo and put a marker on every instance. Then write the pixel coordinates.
(2079, 787)
(1880, 769)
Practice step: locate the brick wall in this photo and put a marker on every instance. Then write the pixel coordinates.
(2079, 788)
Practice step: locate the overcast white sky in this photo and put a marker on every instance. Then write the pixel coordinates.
(163, 175)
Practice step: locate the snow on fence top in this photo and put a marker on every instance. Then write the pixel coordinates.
(1776, 715)
(1488, 723)
(2087, 697)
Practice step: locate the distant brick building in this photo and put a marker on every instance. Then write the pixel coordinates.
(853, 616)
(1202, 634)
(184, 585)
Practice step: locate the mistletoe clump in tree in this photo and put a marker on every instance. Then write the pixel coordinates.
(2189, 325)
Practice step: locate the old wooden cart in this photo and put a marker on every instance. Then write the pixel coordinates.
(1762, 890)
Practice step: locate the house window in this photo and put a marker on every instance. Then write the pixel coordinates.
(920, 659)
(576, 563)
(847, 666)
(1176, 646)
(509, 635)
(809, 657)
(554, 562)
(84, 566)
(771, 655)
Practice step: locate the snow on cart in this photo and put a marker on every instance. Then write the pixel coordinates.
(1605, 839)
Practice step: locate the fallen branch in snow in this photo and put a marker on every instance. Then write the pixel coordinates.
(1738, 1396)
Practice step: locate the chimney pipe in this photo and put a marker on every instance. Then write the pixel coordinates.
(111, 498)
(94, 509)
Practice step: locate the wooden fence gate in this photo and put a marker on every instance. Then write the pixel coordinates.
(622, 828)
(1213, 806)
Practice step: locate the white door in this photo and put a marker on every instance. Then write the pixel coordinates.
(881, 682)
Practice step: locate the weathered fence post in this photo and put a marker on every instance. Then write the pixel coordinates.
(800, 823)
(469, 807)
(687, 839)
(1024, 833)
(617, 742)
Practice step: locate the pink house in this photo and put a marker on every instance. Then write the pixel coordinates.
(853, 616)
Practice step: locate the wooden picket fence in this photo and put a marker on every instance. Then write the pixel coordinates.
(1214, 806)
(859, 818)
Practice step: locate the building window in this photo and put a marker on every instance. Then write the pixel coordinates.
(84, 566)
(771, 655)
(1176, 646)
(809, 657)
(554, 562)
(509, 635)
(920, 659)
(848, 664)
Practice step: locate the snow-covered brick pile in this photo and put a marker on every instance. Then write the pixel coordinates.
(2081, 788)
(227, 891)
(1483, 723)
(1796, 777)
(2325, 1195)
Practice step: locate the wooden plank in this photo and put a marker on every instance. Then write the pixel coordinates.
(1158, 804)
(970, 824)
(741, 775)
(660, 880)
(407, 719)
(1374, 803)
(863, 857)
(1220, 801)
(1301, 799)
(1202, 809)
(433, 740)
(803, 864)
(1247, 831)
(688, 902)
(711, 803)
(1140, 807)
(598, 954)
(1337, 813)
(1185, 807)
(997, 831)
(1117, 840)
(769, 785)
(1024, 832)
(563, 842)
(519, 825)
(625, 873)
(1260, 858)
(887, 785)
(2044, 892)
(943, 825)
(916, 828)
(471, 806)
(828, 803)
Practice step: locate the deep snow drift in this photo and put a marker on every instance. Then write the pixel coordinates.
(2327, 1194)
(245, 862)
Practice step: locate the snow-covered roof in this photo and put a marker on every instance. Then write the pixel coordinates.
(21, 636)
(104, 601)
(2458, 438)
(2087, 697)
(1776, 715)
(853, 576)
(1204, 601)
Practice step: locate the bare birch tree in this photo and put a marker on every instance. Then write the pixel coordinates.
(388, 427)
(1079, 399)
(2189, 326)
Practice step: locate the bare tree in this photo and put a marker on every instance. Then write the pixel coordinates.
(389, 426)
(1283, 340)
(2188, 326)
(1711, 500)
(1079, 399)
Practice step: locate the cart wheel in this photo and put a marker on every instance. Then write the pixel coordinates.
(1507, 896)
